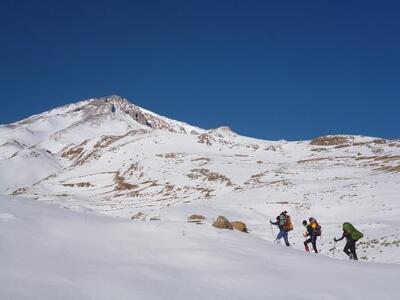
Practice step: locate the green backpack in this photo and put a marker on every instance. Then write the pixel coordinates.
(352, 231)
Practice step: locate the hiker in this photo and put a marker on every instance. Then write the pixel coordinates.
(352, 235)
(285, 225)
(313, 231)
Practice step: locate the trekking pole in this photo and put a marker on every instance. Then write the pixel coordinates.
(333, 249)
(272, 231)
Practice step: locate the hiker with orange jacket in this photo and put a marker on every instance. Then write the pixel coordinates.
(285, 225)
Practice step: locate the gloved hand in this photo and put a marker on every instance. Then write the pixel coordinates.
(335, 239)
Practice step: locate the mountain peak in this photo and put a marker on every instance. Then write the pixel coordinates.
(115, 99)
(118, 105)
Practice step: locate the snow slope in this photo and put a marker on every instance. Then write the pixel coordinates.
(49, 252)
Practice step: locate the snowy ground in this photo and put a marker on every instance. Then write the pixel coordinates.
(49, 252)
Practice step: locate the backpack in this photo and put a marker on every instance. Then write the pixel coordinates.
(352, 231)
(286, 222)
(315, 227)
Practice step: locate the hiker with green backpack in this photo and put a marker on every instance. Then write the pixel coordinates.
(352, 235)
(284, 223)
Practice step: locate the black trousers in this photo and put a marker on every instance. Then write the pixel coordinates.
(350, 247)
(313, 241)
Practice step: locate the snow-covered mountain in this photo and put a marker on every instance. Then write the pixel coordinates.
(149, 173)
(111, 156)
(51, 136)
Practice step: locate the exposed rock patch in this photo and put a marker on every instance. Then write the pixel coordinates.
(238, 225)
(198, 219)
(222, 223)
(139, 216)
(206, 139)
(79, 184)
(209, 176)
(330, 140)
(121, 184)
(72, 153)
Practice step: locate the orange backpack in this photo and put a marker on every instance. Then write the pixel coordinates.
(315, 227)
(287, 225)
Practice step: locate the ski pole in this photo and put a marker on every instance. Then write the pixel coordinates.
(333, 249)
(272, 231)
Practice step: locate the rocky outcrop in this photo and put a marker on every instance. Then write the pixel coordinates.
(205, 139)
(197, 219)
(239, 226)
(222, 223)
(330, 140)
(139, 216)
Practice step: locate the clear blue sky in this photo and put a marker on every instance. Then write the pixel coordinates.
(268, 69)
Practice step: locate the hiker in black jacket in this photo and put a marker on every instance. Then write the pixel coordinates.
(313, 230)
(352, 235)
